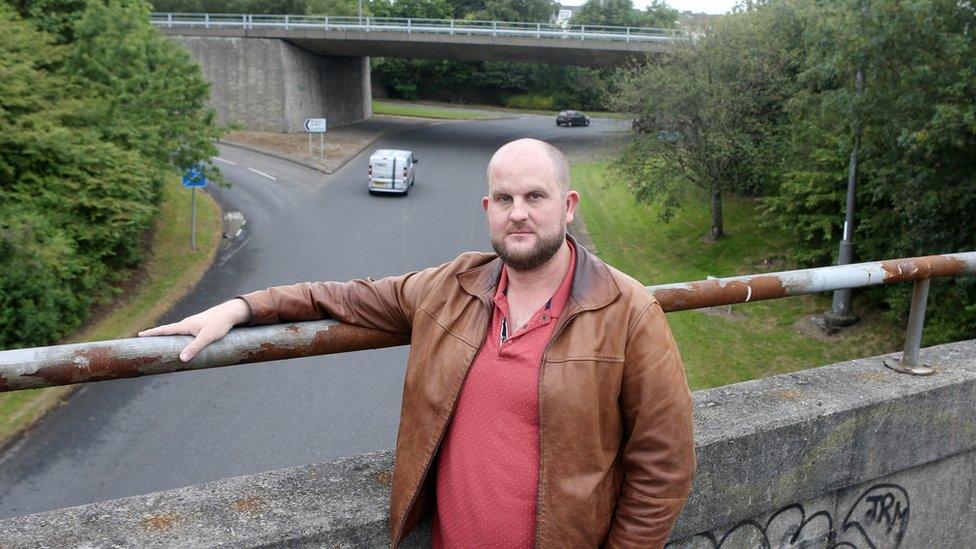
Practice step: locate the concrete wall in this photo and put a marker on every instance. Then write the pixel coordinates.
(270, 85)
(847, 455)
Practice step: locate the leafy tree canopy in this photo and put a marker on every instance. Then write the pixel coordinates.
(707, 111)
(95, 109)
(622, 13)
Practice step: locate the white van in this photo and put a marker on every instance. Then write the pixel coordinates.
(391, 171)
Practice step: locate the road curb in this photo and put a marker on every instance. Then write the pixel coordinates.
(278, 155)
(302, 162)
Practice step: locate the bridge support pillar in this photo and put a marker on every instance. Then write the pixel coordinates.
(268, 84)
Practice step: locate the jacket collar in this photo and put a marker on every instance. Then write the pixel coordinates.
(593, 285)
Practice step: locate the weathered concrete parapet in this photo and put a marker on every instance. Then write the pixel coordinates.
(854, 443)
(848, 455)
(338, 504)
(269, 84)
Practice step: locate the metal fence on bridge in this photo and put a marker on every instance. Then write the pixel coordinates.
(84, 362)
(416, 26)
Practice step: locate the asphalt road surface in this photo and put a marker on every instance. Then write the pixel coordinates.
(121, 438)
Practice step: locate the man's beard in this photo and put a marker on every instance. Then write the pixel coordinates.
(544, 249)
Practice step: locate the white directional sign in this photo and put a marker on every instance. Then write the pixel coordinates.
(315, 125)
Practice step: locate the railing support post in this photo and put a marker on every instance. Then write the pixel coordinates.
(169, 20)
(206, 21)
(908, 363)
(538, 30)
(408, 25)
(494, 28)
(452, 26)
(286, 22)
(582, 32)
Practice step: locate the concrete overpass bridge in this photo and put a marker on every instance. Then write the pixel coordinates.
(270, 72)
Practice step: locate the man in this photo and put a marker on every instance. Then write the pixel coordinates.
(545, 403)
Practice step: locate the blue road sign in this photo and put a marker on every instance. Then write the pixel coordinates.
(194, 177)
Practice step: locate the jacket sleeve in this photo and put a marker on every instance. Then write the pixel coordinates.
(659, 452)
(386, 304)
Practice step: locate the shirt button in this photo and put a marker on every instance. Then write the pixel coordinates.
(545, 318)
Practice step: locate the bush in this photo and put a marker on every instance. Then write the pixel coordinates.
(89, 128)
(531, 101)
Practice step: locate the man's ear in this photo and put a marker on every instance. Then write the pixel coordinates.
(572, 200)
(484, 203)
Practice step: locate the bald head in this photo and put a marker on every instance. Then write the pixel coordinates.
(530, 154)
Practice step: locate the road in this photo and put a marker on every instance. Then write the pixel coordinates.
(121, 438)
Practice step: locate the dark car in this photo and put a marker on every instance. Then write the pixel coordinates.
(572, 118)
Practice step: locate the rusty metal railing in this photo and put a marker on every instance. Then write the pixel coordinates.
(84, 362)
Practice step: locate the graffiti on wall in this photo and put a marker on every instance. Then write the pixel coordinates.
(878, 519)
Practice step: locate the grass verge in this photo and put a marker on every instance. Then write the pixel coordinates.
(433, 109)
(756, 339)
(169, 272)
(429, 111)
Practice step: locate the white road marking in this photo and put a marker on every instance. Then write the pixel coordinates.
(259, 172)
(219, 159)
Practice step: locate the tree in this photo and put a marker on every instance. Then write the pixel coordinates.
(152, 94)
(917, 188)
(347, 8)
(532, 11)
(431, 9)
(710, 109)
(623, 14)
(231, 6)
(72, 207)
(94, 114)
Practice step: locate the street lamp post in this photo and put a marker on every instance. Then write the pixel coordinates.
(841, 311)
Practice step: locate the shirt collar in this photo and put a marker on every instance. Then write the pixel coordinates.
(558, 300)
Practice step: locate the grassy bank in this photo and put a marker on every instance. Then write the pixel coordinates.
(430, 111)
(757, 339)
(170, 271)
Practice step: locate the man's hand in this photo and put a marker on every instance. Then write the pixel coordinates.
(206, 327)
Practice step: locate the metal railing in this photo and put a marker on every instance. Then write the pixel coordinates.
(415, 26)
(83, 362)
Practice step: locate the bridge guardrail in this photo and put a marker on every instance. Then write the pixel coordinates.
(417, 26)
(84, 362)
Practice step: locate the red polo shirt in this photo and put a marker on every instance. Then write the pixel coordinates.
(488, 466)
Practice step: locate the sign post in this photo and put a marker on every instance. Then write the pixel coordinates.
(319, 126)
(194, 178)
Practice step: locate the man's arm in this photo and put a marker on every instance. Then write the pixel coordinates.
(386, 304)
(659, 453)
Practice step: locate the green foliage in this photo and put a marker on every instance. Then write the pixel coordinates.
(516, 10)
(152, 93)
(622, 13)
(54, 17)
(85, 137)
(765, 103)
(531, 101)
(916, 192)
(431, 9)
(492, 82)
(232, 6)
(346, 8)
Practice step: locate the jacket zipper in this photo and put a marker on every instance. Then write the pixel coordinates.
(457, 397)
(542, 363)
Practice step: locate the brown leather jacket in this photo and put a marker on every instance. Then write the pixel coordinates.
(616, 451)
